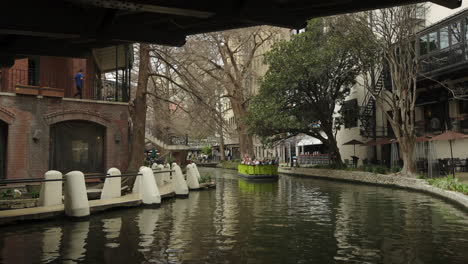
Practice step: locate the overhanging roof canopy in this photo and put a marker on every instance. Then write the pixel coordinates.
(74, 27)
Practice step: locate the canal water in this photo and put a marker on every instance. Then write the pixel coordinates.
(293, 220)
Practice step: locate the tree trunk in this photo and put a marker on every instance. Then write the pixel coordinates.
(221, 142)
(245, 140)
(335, 156)
(139, 117)
(407, 148)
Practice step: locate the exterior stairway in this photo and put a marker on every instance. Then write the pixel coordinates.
(163, 145)
(367, 113)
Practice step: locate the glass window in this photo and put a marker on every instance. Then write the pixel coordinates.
(444, 38)
(455, 32)
(463, 107)
(350, 112)
(466, 27)
(423, 45)
(433, 41)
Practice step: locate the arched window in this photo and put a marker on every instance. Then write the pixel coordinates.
(77, 145)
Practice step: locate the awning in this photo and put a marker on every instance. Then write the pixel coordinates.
(309, 141)
(114, 58)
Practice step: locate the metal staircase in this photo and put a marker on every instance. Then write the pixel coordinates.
(367, 113)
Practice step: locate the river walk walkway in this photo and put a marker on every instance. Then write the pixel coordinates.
(379, 179)
(129, 200)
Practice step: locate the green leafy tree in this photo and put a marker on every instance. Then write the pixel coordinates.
(308, 77)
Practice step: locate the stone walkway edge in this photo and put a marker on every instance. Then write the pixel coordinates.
(456, 198)
(48, 212)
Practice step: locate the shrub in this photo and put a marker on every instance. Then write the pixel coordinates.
(379, 169)
(332, 166)
(205, 178)
(395, 169)
(6, 194)
(34, 194)
(421, 176)
(231, 164)
(369, 168)
(449, 183)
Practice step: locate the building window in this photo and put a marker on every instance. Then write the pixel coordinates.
(463, 107)
(77, 145)
(433, 117)
(433, 42)
(423, 44)
(350, 112)
(455, 33)
(444, 38)
(466, 27)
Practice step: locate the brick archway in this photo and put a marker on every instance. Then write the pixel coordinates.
(6, 116)
(94, 117)
(69, 115)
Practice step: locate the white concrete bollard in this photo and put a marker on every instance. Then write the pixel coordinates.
(76, 198)
(51, 192)
(149, 190)
(158, 176)
(178, 182)
(112, 186)
(137, 183)
(167, 175)
(192, 179)
(196, 171)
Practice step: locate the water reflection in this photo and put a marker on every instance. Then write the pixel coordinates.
(111, 228)
(51, 244)
(293, 220)
(74, 241)
(147, 220)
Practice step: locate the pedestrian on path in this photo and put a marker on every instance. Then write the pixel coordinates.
(79, 83)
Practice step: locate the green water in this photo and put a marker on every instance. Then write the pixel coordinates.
(293, 220)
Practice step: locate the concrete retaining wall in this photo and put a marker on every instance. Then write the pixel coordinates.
(380, 179)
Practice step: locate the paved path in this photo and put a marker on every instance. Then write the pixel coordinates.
(34, 213)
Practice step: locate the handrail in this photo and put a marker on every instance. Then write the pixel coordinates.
(33, 180)
(28, 180)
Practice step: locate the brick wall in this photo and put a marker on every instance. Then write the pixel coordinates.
(55, 72)
(29, 115)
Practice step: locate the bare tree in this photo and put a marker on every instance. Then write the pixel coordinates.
(175, 79)
(229, 62)
(138, 109)
(386, 38)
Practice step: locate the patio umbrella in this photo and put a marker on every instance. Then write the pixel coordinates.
(380, 141)
(450, 135)
(353, 142)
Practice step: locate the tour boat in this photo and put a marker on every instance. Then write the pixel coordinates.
(258, 172)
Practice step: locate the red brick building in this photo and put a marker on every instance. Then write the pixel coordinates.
(43, 127)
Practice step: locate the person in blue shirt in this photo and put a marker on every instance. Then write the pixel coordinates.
(79, 83)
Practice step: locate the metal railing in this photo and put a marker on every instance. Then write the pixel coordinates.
(444, 59)
(102, 176)
(38, 82)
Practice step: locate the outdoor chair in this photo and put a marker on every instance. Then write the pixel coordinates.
(346, 161)
(421, 166)
(443, 166)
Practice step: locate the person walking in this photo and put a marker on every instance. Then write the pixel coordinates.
(79, 83)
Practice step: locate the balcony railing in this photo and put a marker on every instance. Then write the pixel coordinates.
(444, 59)
(54, 84)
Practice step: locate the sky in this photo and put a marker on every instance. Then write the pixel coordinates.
(437, 12)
